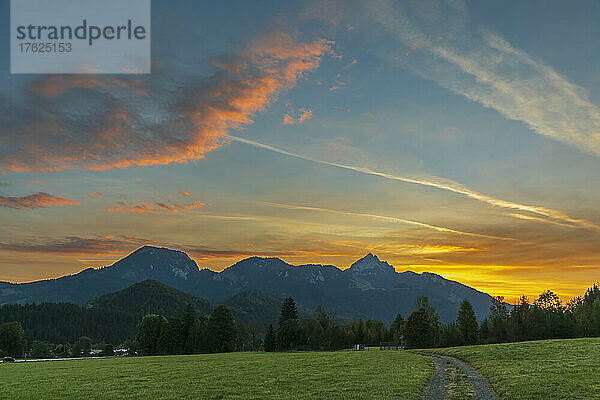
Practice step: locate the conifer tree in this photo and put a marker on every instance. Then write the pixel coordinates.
(270, 343)
(222, 330)
(188, 325)
(288, 310)
(397, 328)
(466, 323)
(289, 334)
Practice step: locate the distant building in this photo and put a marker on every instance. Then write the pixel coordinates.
(121, 352)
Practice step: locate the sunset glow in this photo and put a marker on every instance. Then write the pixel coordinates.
(451, 139)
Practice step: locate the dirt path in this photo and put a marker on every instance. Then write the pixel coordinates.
(437, 385)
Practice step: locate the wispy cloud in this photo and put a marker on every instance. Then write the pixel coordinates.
(154, 207)
(99, 123)
(472, 61)
(444, 184)
(380, 217)
(77, 245)
(36, 200)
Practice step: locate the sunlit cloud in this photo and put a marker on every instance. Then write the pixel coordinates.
(36, 200)
(111, 128)
(440, 183)
(482, 66)
(301, 115)
(95, 195)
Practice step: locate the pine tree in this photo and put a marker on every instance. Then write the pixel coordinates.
(270, 343)
(188, 322)
(466, 323)
(222, 330)
(288, 310)
(289, 334)
(498, 318)
(397, 328)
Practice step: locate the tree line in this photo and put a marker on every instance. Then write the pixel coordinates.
(545, 318)
(66, 323)
(13, 343)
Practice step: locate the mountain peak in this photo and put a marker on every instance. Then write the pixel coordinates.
(370, 264)
(147, 248)
(150, 262)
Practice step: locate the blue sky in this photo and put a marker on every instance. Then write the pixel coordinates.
(461, 138)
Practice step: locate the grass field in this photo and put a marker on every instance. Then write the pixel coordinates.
(550, 369)
(335, 375)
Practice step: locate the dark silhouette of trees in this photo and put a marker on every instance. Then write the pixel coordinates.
(12, 339)
(45, 324)
(188, 325)
(150, 331)
(466, 323)
(497, 321)
(288, 310)
(41, 349)
(82, 347)
(270, 342)
(192, 334)
(289, 335)
(422, 326)
(222, 330)
(65, 323)
(397, 329)
(419, 331)
(108, 350)
(62, 350)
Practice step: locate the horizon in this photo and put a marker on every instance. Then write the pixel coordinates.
(511, 301)
(461, 139)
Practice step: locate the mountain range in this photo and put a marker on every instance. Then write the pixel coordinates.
(370, 288)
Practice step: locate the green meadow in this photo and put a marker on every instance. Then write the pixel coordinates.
(562, 369)
(551, 369)
(310, 375)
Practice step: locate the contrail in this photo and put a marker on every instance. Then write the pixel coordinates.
(440, 183)
(485, 68)
(381, 217)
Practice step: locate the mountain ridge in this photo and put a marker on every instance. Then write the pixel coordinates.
(370, 288)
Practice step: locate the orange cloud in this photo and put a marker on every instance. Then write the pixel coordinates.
(288, 120)
(95, 194)
(36, 200)
(185, 194)
(303, 115)
(117, 135)
(55, 85)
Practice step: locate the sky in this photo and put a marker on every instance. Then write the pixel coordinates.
(455, 137)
